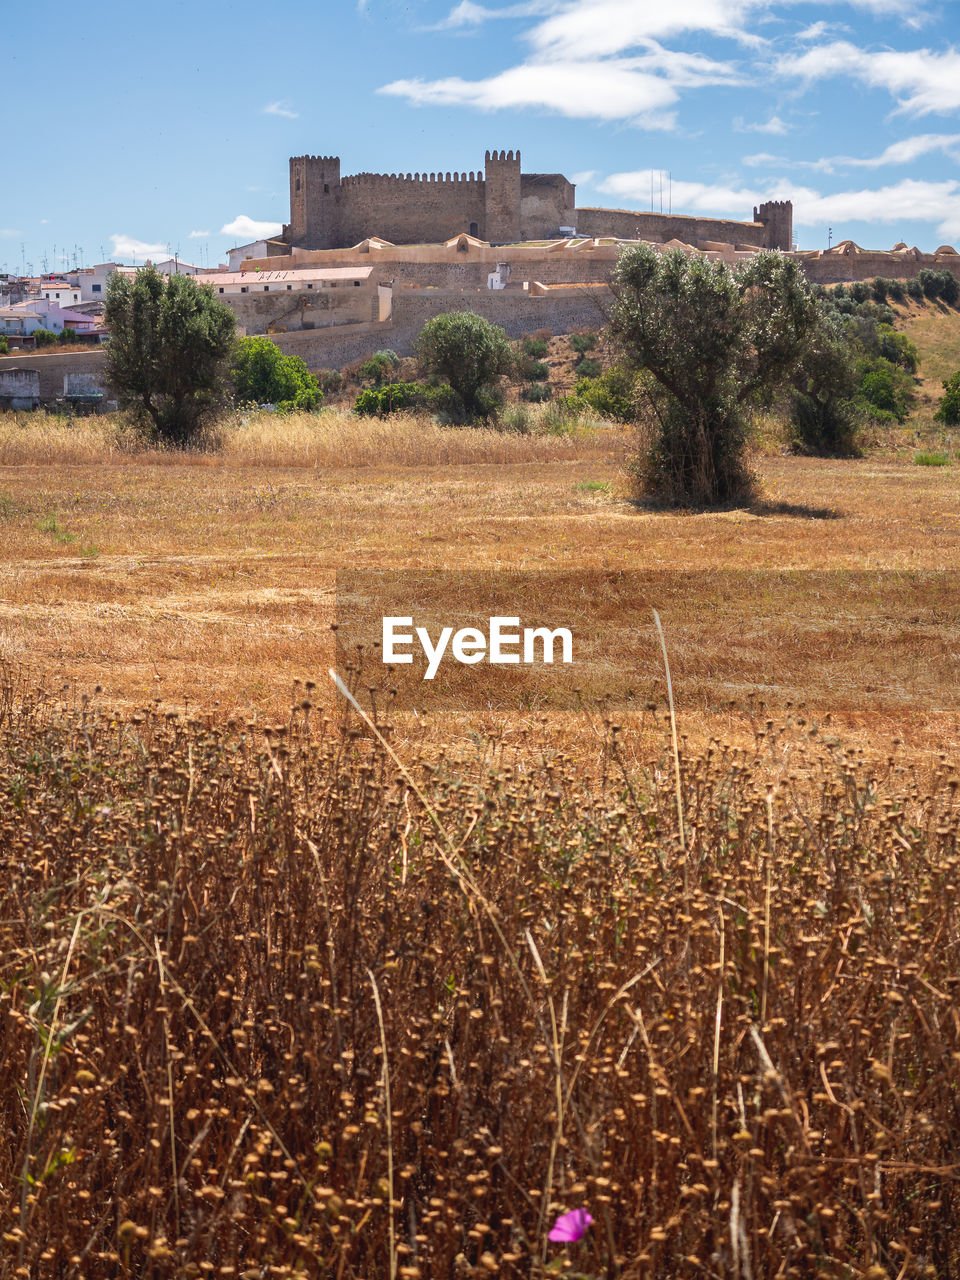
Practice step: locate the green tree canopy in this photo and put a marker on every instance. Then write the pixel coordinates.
(713, 345)
(262, 374)
(169, 350)
(470, 353)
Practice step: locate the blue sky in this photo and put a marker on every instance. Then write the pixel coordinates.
(132, 129)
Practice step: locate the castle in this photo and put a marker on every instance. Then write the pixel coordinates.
(501, 205)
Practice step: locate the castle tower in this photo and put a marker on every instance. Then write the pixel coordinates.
(777, 218)
(502, 197)
(315, 202)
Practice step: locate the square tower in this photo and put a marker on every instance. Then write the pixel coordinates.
(315, 202)
(502, 197)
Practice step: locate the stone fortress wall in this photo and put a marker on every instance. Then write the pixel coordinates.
(502, 205)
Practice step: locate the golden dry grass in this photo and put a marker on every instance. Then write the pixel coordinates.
(210, 579)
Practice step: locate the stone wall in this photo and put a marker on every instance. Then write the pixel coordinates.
(865, 264)
(410, 208)
(516, 312)
(54, 368)
(344, 304)
(661, 227)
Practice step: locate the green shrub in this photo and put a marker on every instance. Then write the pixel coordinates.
(612, 395)
(949, 408)
(884, 391)
(45, 338)
(378, 402)
(585, 368)
(536, 392)
(68, 335)
(262, 374)
(915, 289)
(533, 370)
(330, 380)
(472, 355)
(931, 459)
(379, 367)
(860, 291)
(583, 342)
(535, 348)
(949, 288)
(4, 347)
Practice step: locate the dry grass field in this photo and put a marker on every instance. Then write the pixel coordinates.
(209, 581)
(283, 997)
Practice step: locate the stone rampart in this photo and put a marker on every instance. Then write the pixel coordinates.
(409, 207)
(54, 368)
(661, 227)
(344, 304)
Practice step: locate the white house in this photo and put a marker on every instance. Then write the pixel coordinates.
(60, 292)
(258, 249)
(20, 320)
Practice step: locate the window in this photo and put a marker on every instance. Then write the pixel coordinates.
(266, 288)
(243, 288)
(356, 284)
(221, 288)
(289, 287)
(309, 286)
(298, 182)
(95, 288)
(326, 188)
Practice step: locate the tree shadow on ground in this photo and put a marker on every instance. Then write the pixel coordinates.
(760, 507)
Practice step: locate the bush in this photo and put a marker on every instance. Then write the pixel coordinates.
(330, 380)
(471, 354)
(535, 348)
(612, 395)
(583, 342)
(68, 335)
(949, 288)
(379, 402)
(896, 290)
(533, 370)
(585, 368)
(536, 392)
(860, 291)
(915, 289)
(45, 337)
(824, 418)
(379, 367)
(4, 347)
(884, 391)
(262, 374)
(949, 408)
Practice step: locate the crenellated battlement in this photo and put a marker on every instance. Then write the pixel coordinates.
(384, 181)
(315, 159)
(502, 157)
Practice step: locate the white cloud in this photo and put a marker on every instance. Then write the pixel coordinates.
(763, 160)
(245, 228)
(9, 231)
(467, 14)
(773, 125)
(583, 178)
(907, 150)
(198, 235)
(923, 81)
(281, 108)
(129, 247)
(599, 28)
(909, 200)
(640, 89)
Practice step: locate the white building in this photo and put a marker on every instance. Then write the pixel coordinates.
(60, 292)
(258, 249)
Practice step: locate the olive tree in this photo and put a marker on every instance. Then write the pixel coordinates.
(712, 345)
(470, 353)
(169, 350)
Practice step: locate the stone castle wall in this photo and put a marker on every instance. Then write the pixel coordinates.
(255, 313)
(407, 208)
(501, 205)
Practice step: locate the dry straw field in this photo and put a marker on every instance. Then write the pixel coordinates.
(282, 993)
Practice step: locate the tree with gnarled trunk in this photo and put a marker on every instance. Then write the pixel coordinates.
(712, 346)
